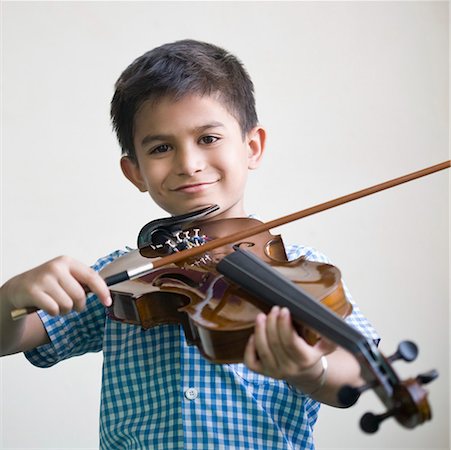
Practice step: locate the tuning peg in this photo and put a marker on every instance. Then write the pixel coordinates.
(425, 378)
(348, 395)
(407, 351)
(370, 422)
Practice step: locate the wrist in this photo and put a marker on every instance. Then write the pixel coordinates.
(313, 380)
(5, 296)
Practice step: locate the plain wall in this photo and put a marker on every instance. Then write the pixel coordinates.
(351, 93)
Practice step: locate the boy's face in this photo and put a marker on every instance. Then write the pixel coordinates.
(191, 154)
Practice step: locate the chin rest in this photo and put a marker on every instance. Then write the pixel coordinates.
(157, 232)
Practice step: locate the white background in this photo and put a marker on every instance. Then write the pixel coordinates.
(352, 94)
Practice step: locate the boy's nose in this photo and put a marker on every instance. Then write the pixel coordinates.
(189, 161)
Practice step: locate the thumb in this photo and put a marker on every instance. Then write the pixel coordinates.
(325, 346)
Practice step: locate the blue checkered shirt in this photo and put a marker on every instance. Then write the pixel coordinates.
(160, 393)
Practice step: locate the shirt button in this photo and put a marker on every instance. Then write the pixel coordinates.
(191, 393)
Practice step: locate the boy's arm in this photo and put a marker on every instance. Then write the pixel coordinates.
(21, 335)
(55, 287)
(276, 350)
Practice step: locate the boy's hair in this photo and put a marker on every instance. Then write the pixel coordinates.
(175, 70)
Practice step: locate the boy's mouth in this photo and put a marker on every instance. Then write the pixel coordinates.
(194, 187)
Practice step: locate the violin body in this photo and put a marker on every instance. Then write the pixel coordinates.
(217, 315)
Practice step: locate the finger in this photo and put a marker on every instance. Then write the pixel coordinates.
(292, 350)
(297, 350)
(250, 358)
(37, 288)
(72, 276)
(292, 343)
(261, 342)
(273, 335)
(51, 298)
(63, 299)
(47, 303)
(94, 282)
(75, 291)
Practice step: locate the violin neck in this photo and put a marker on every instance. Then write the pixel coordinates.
(268, 285)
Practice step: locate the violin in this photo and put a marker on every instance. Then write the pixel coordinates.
(218, 316)
(214, 277)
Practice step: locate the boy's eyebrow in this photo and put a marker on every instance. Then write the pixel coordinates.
(162, 137)
(209, 125)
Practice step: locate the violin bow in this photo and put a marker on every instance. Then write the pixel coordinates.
(251, 231)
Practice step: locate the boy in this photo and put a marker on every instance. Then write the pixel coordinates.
(184, 114)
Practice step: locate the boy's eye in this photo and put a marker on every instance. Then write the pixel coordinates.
(208, 139)
(163, 148)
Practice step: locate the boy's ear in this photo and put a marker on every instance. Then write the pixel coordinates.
(256, 139)
(131, 170)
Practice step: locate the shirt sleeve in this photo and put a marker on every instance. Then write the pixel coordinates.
(356, 319)
(75, 333)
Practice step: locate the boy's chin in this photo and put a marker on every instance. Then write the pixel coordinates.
(187, 209)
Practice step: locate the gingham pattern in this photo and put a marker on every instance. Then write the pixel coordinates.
(159, 393)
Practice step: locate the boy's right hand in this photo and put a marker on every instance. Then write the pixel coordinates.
(56, 287)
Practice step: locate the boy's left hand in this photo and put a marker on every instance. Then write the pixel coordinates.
(276, 350)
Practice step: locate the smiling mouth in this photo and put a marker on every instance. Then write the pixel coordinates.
(195, 187)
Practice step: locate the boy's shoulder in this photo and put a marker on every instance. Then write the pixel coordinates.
(105, 260)
(295, 251)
